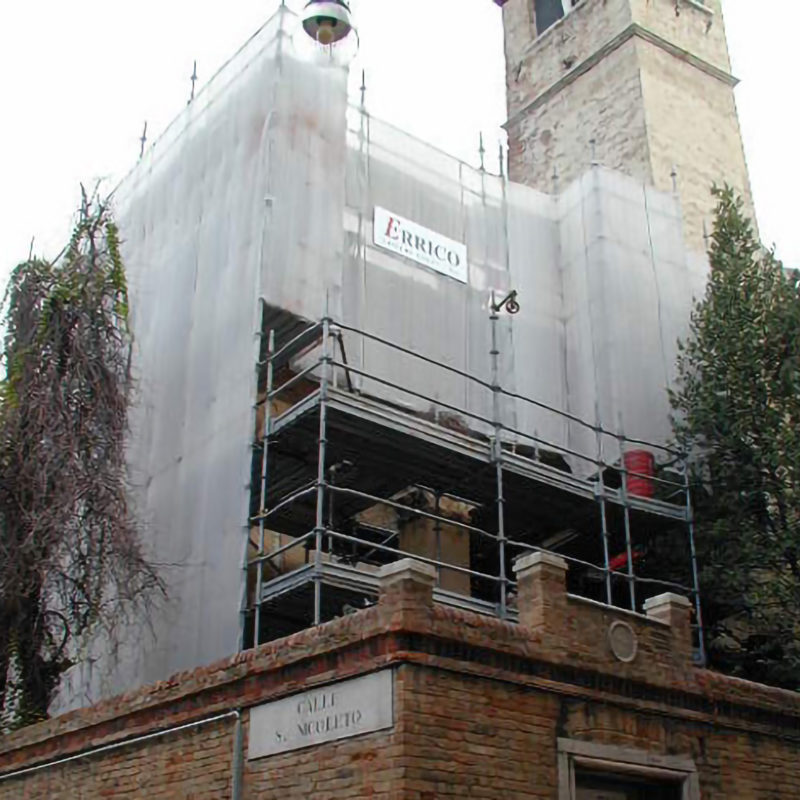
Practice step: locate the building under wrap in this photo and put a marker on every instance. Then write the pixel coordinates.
(312, 404)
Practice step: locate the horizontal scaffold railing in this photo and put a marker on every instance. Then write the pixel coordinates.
(315, 362)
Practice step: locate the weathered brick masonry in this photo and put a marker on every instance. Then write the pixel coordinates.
(483, 708)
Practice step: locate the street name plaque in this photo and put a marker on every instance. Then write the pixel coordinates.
(338, 711)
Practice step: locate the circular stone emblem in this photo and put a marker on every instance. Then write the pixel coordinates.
(622, 641)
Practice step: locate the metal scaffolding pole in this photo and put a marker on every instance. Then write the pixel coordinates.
(695, 576)
(438, 533)
(322, 482)
(264, 485)
(606, 555)
(601, 494)
(497, 457)
(626, 508)
(319, 527)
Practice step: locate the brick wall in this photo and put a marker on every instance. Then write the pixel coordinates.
(650, 86)
(481, 707)
(196, 763)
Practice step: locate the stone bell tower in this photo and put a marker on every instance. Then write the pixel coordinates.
(640, 86)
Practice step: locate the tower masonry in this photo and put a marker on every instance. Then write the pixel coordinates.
(641, 86)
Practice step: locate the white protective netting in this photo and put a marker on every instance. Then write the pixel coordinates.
(265, 186)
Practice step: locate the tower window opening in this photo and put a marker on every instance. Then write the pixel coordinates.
(548, 12)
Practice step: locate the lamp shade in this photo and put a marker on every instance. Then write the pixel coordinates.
(327, 21)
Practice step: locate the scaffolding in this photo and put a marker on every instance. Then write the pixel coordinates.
(430, 442)
(345, 481)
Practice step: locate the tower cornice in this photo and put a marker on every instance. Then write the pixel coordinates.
(634, 30)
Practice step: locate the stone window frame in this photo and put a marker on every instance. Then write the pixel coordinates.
(610, 759)
(700, 5)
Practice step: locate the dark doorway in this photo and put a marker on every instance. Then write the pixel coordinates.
(593, 786)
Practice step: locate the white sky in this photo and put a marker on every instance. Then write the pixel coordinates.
(79, 77)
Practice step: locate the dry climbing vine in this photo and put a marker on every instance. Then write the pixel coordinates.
(71, 562)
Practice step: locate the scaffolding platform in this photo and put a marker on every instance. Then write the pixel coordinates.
(350, 481)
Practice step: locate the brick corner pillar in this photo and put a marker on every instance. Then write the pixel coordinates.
(676, 611)
(542, 591)
(406, 591)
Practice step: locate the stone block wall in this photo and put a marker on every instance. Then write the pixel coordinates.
(551, 144)
(640, 86)
(692, 125)
(535, 63)
(687, 25)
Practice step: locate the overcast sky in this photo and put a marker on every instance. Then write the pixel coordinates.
(80, 77)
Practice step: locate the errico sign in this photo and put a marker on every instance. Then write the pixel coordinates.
(426, 247)
(338, 711)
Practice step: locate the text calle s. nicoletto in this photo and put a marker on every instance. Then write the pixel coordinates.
(319, 714)
(348, 708)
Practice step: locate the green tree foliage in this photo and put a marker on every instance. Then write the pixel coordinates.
(737, 411)
(71, 564)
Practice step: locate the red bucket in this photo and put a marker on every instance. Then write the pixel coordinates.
(640, 466)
